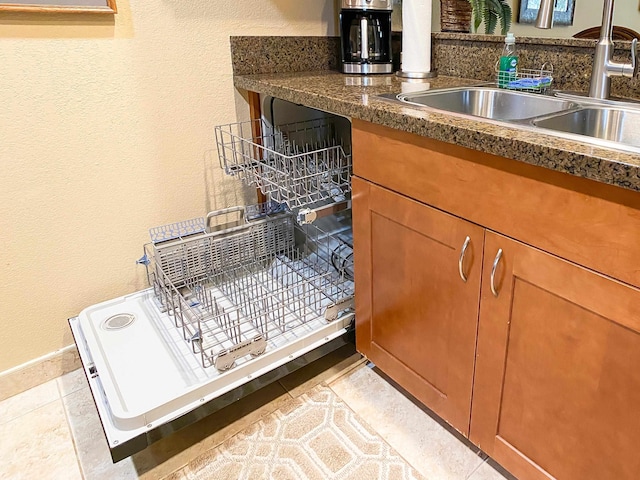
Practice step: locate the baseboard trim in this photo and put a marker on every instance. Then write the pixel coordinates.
(38, 371)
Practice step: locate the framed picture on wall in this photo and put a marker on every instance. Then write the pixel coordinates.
(562, 13)
(59, 6)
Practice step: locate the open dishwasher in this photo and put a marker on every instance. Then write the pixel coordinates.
(237, 298)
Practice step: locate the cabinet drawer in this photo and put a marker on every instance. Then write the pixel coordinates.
(591, 224)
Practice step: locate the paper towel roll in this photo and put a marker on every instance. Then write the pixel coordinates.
(416, 36)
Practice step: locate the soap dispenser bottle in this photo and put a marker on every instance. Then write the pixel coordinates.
(508, 64)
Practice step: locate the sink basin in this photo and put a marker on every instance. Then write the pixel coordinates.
(606, 123)
(489, 102)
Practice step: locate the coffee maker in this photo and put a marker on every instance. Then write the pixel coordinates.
(365, 36)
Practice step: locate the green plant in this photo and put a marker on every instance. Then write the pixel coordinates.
(491, 12)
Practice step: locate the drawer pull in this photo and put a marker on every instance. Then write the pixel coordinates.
(493, 273)
(465, 245)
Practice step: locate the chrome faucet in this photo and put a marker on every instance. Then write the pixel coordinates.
(604, 67)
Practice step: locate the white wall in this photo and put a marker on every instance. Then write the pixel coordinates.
(106, 130)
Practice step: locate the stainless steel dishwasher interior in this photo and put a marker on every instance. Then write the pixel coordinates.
(489, 102)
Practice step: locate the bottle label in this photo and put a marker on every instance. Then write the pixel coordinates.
(508, 68)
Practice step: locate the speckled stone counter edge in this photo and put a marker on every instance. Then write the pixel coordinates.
(255, 55)
(328, 91)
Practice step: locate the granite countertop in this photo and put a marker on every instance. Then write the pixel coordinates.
(357, 97)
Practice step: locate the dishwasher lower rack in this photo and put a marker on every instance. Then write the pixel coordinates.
(297, 164)
(236, 292)
(229, 311)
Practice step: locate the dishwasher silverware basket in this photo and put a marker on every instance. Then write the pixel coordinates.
(236, 292)
(296, 164)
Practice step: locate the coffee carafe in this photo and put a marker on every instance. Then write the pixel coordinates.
(365, 36)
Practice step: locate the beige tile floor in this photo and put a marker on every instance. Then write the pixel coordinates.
(52, 431)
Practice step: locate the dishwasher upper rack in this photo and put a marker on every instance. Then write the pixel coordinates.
(231, 306)
(297, 164)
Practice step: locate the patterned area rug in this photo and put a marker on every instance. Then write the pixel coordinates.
(316, 436)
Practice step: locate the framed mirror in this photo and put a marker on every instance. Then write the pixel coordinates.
(59, 6)
(562, 13)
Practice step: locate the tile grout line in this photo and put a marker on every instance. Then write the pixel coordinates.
(477, 468)
(384, 440)
(286, 390)
(70, 429)
(344, 371)
(477, 451)
(30, 411)
(465, 442)
(33, 409)
(347, 370)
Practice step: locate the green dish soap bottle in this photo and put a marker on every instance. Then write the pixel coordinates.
(508, 66)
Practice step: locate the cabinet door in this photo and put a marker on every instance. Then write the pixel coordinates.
(416, 318)
(557, 383)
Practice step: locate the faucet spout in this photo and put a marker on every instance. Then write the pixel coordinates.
(606, 30)
(604, 67)
(545, 14)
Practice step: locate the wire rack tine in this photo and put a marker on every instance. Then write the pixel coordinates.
(225, 289)
(296, 164)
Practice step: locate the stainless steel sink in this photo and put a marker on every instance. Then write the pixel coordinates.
(607, 123)
(603, 122)
(489, 102)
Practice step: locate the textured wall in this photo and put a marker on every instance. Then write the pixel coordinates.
(107, 129)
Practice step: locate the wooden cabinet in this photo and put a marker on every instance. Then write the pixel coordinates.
(416, 315)
(555, 393)
(557, 384)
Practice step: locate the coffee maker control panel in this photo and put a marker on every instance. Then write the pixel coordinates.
(368, 4)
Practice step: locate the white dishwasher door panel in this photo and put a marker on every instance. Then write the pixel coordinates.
(144, 374)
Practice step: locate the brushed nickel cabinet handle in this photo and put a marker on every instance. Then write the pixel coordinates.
(493, 273)
(465, 245)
